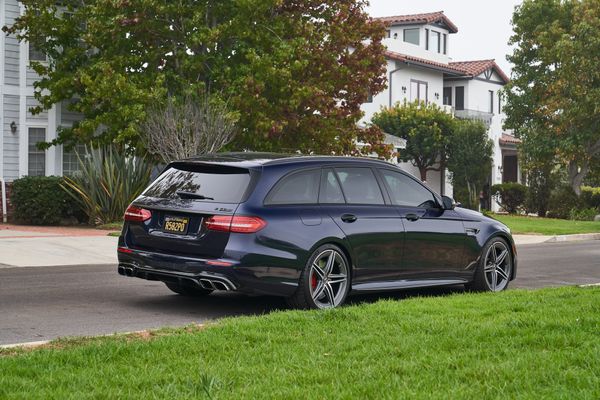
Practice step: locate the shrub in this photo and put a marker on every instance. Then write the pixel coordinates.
(541, 183)
(583, 214)
(41, 200)
(107, 181)
(590, 197)
(562, 201)
(510, 196)
(469, 160)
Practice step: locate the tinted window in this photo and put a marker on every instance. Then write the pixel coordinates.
(298, 188)
(460, 97)
(412, 35)
(219, 185)
(331, 193)
(405, 191)
(360, 186)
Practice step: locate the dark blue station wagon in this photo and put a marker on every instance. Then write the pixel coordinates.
(311, 229)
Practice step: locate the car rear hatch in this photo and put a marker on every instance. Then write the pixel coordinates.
(182, 201)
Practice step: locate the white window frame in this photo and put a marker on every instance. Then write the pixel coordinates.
(418, 94)
(47, 163)
(29, 60)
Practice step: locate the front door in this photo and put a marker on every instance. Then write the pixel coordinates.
(434, 238)
(354, 200)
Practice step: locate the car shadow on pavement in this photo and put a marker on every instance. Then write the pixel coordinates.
(219, 305)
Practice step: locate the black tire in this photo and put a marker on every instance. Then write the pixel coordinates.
(303, 299)
(188, 291)
(482, 281)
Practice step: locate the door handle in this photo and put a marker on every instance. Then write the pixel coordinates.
(349, 218)
(412, 217)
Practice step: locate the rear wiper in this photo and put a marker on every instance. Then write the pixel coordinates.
(190, 195)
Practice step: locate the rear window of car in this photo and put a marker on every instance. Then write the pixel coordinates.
(222, 185)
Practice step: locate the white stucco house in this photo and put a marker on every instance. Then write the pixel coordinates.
(420, 67)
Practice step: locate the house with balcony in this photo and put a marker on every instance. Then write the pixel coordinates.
(420, 67)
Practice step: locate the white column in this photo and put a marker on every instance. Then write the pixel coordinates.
(2, 40)
(53, 153)
(22, 129)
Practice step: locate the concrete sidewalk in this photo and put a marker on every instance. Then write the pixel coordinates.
(36, 246)
(536, 239)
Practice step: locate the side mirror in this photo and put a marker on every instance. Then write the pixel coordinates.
(449, 203)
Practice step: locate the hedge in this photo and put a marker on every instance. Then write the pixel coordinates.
(40, 200)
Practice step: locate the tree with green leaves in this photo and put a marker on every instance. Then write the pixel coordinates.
(425, 127)
(295, 71)
(469, 159)
(553, 99)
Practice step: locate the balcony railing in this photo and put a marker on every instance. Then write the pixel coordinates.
(484, 117)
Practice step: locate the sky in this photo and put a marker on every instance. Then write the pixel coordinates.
(483, 25)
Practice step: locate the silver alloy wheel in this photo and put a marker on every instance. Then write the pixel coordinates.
(498, 266)
(328, 279)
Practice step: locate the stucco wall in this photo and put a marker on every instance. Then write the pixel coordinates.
(400, 79)
(400, 46)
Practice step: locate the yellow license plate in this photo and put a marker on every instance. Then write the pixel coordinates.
(176, 225)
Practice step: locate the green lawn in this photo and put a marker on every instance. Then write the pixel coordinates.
(547, 226)
(518, 344)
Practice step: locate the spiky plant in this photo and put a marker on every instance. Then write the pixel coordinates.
(108, 180)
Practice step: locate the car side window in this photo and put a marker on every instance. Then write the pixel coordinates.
(405, 191)
(360, 186)
(297, 188)
(331, 192)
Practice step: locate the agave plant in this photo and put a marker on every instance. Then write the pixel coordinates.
(107, 181)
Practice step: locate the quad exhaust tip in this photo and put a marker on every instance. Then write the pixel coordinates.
(125, 271)
(205, 283)
(212, 284)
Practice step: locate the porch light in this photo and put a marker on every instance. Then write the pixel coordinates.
(13, 127)
(404, 89)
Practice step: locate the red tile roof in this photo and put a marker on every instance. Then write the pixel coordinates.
(425, 18)
(417, 60)
(509, 139)
(474, 68)
(464, 68)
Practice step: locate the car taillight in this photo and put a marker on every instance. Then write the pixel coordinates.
(137, 214)
(237, 224)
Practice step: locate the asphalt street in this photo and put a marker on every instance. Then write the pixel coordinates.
(41, 303)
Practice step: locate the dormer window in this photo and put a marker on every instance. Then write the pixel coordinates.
(435, 41)
(445, 46)
(412, 35)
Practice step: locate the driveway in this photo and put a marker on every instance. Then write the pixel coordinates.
(49, 302)
(34, 246)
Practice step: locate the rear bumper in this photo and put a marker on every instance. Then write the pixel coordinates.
(204, 280)
(213, 274)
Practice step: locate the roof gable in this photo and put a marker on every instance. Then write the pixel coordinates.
(478, 67)
(425, 18)
(447, 68)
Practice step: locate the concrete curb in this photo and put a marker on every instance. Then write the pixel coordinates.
(31, 345)
(572, 238)
(25, 345)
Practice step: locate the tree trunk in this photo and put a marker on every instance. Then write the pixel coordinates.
(577, 174)
(423, 172)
